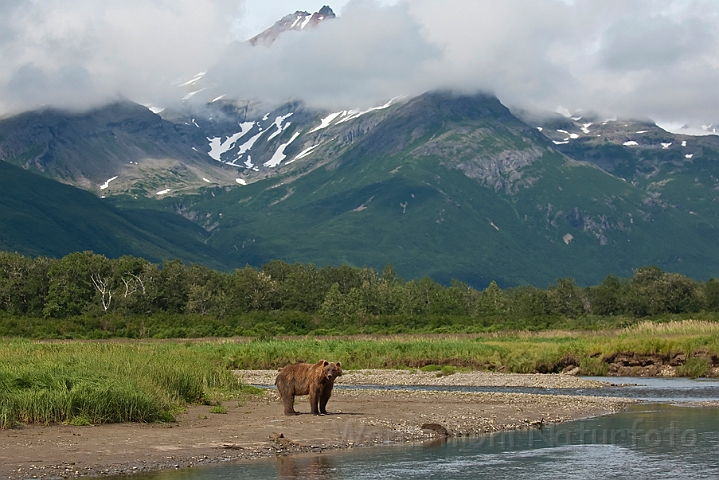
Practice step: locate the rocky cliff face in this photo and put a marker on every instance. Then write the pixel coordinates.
(297, 21)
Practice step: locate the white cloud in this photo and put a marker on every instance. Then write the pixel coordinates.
(81, 52)
(656, 58)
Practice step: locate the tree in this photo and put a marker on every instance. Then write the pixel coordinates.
(173, 288)
(653, 292)
(528, 301)
(253, 290)
(137, 288)
(23, 283)
(303, 288)
(337, 307)
(492, 302)
(76, 281)
(711, 295)
(607, 298)
(567, 298)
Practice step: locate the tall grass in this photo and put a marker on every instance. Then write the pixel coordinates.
(508, 352)
(102, 383)
(97, 382)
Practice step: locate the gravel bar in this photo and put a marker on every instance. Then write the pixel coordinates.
(419, 378)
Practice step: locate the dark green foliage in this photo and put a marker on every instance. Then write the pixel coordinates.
(39, 216)
(86, 295)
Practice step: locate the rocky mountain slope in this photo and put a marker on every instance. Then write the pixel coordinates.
(122, 147)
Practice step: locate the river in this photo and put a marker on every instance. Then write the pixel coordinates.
(647, 441)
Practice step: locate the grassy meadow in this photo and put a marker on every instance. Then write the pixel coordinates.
(91, 383)
(84, 382)
(512, 352)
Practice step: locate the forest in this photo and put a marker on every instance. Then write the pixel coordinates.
(87, 295)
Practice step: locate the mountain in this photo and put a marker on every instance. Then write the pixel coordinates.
(39, 216)
(675, 172)
(452, 186)
(119, 148)
(296, 21)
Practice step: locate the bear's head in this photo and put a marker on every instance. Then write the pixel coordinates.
(331, 370)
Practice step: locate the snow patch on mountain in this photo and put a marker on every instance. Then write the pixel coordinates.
(305, 21)
(107, 183)
(280, 127)
(304, 153)
(279, 155)
(247, 146)
(218, 147)
(353, 114)
(193, 80)
(327, 121)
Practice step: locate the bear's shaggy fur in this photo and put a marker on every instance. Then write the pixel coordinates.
(315, 380)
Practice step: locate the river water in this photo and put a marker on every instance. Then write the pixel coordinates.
(647, 441)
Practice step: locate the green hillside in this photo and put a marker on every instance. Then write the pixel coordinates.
(39, 216)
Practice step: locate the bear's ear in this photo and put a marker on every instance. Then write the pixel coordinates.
(326, 363)
(338, 364)
(322, 362)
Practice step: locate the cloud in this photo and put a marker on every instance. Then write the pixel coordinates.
(370, 54)
(78, 53)
(656, 58)
(623, 57)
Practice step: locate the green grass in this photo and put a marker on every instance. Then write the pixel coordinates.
(507, 352)
(91, 383)
(87, 383)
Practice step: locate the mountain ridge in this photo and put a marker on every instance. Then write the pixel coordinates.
(444, 184)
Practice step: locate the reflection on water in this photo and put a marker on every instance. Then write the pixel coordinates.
(318, 467)
(646, 442)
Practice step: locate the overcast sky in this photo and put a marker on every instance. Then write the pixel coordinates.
(638, 58)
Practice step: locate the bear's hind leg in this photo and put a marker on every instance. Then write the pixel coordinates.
(289, 403)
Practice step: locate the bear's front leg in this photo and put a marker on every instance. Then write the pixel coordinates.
(324, 398)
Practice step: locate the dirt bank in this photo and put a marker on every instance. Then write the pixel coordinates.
(257, 428)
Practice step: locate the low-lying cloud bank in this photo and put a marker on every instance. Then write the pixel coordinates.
(640, 58)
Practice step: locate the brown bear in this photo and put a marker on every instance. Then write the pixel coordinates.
(315, 380)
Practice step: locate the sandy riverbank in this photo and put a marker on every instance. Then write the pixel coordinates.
(257, 428)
